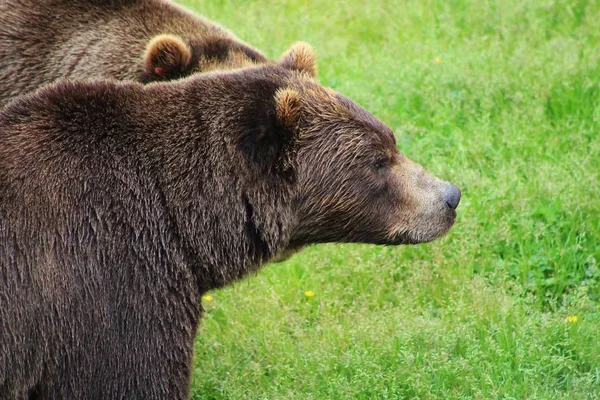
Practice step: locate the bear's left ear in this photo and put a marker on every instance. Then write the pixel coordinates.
(301, 57)
(287, 106)
(269, 135)
(166, 57)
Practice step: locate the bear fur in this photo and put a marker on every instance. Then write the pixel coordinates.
(121, 204)
(140, 40)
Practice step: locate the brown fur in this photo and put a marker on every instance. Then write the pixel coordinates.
(301, 57)
(287, 103)
(166, 55)
(140, 40)
(116, 218)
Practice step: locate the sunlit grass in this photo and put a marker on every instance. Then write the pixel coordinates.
(503, 99)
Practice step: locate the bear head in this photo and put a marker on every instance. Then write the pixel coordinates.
(169, 57)
(351, 183)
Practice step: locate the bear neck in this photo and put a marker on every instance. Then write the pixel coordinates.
(228, 226)
(230, 216)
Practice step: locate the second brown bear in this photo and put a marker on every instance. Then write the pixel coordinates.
(140, 40)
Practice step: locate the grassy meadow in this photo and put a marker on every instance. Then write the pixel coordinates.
(503, 99)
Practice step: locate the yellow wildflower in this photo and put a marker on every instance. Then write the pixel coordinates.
(310, 293)
(207, 297)
(572, 318)
(437, 60)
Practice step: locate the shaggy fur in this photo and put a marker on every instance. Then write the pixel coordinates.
(141, 40)
(121, 204)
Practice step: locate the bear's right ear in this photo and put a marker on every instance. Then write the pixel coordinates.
(166, 57)
(301, 57)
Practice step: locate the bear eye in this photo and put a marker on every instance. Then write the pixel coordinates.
(380, 164)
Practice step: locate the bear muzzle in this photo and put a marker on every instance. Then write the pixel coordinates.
(452, 196)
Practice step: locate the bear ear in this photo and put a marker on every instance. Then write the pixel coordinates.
(269, 135)
(166, 57)
(287, 106)
(300, 57)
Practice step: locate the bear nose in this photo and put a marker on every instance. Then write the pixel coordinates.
(452, 196)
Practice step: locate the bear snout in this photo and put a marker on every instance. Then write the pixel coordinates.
(452, 195)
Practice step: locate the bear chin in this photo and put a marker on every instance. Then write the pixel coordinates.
(417, 236)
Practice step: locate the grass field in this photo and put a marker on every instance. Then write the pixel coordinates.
(501, 98)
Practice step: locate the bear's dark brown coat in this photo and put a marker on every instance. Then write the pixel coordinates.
(141, 40)
(121, 204)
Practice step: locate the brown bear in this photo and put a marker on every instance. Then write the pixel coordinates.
(121, 204)
(141, 40)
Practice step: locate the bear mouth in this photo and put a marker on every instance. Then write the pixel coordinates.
(429, 231)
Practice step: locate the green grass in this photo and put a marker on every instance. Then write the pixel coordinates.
(511, 114)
